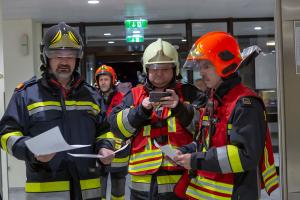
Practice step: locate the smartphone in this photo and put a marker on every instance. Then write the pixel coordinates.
(156, 96)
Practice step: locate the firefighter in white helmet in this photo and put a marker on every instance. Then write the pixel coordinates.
(163, 112)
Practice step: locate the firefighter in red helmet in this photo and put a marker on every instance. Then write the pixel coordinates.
(106, 79)
(232, 154)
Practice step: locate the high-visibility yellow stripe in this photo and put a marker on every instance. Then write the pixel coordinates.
(269, 172)
(121, 160)
(107, 135)
(171, 124)
(117, 198)
(5, 137)
(56, 38)
(205, 118)
(141, 179)
(68, 103)
(211, 182)
(61, 185)
(121, 125)
(90, 183)
(43, 104)
(198, 194)
(83, 103)
(169, 179)
(147, 130)
(72, 37)
(145, 155)
(234, 158)
(229, 126)
(144, 166)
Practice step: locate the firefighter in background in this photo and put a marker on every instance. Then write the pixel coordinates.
(171, 121)
(106, 79)
(60, 98)
(233, 155)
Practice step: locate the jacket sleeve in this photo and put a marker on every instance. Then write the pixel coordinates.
(125, 119)
(187, 112)
(13, 129)
(246, 142)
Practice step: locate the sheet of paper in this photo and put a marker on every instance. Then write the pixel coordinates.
(166, 149)
(49, 142)
(96, 155)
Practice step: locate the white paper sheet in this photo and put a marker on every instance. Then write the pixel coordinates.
(49, 142)
(96, 155)
(166, 149)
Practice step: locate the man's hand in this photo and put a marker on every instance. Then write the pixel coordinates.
(108, 155)
(177, 153)
(44, 158)
(184, 160)
(147, 104)
(171, 101)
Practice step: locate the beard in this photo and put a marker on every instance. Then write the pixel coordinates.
(63, 72)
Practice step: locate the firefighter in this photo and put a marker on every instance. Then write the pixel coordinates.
(170, 120)
(233, 154)
(106, 79)
(60, 98)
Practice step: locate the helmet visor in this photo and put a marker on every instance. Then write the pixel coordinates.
(63, 53)
(160, 66)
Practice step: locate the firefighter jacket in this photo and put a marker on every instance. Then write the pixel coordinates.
(120, 162)
(39, 105)
(166, 126)
(230, 157)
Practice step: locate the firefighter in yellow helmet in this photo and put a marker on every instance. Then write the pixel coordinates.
(161, 111)
(232, 155)
(61, 98)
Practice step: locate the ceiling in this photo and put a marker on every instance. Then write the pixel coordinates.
(52, 11)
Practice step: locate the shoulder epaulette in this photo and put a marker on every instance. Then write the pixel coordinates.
(22, 86)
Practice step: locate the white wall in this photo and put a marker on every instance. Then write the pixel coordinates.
(19, 68)
(3, 160)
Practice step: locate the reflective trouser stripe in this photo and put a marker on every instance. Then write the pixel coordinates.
(86, 194)
(9, 139)
(120, 162)
(165, 183)
(57, 186)
(48, 196)
(202, 188)
(117, 198)
(91, 193)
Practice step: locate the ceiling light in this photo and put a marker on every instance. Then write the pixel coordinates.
(110, 42)
(183, 40)
(107, 34)
(257, 28)
(93, 2)
(270, 43)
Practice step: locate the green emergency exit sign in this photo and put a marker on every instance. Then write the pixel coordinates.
(135, 38)
(136, 23)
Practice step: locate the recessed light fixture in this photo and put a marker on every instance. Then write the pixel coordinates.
(107, 34)
(110, 42)
(183, 40)
(270, 43)
(257, 28)
(93, 2)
